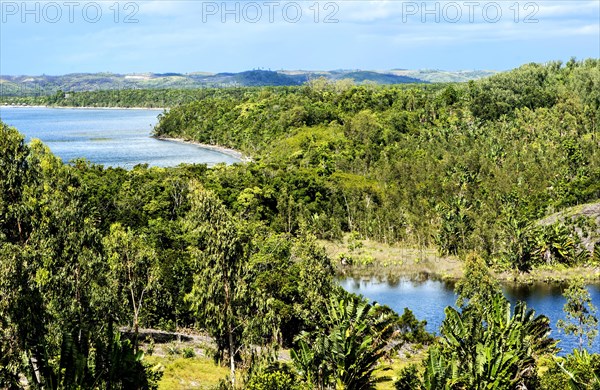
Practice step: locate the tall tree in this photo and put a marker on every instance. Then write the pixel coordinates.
(134, 269)
(55, 319)
(478, 286)
(581, 320)
(218, 295)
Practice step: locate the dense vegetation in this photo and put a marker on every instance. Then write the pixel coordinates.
(464, 167)
(86, 251)
(151, 98)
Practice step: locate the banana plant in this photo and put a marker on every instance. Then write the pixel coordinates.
(347, 353)
(488, 347)
(578, 378)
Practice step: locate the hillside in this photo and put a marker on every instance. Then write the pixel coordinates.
(464, 167)
(585, 219)
(76, 82)
(443, 76)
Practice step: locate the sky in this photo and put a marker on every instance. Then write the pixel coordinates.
(160, 36)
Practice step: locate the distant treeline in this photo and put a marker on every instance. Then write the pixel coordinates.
(151, 98)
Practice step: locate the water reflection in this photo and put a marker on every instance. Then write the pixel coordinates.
(424, 296)
(428, 298)
(534, 291)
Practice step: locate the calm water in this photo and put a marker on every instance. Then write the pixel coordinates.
(428, 298)
(118, 138)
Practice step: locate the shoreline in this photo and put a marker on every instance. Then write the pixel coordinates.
(449, 273)
(382, 261)
(221, 149)
(84, 108)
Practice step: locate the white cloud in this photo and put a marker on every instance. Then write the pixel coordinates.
(566, 8)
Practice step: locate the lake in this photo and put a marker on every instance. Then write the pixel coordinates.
(427, 298)
(111, 137)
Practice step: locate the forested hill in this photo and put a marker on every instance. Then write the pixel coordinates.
(464, 167)
(77, 82)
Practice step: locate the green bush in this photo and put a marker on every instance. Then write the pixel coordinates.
(408, 379)
(188, 352)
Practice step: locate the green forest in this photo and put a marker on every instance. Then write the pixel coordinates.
(91, 255)
(463, 167)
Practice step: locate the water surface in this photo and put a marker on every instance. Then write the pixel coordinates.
(111, 137)
(427, 299)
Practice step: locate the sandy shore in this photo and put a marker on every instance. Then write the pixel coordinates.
(221, 149)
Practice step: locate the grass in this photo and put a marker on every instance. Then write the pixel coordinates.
(397, 364)
(192, 373)
(552, 274)
(371, 259)
(375, 259)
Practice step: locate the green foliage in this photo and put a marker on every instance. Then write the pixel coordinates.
(272, 377)
(189, 353)
(580, 311)
(126, 370)
(579, 370)
(133, 265)
(58, 308)
(478, 287)
(530, 86)
(455, 226)
(424, 165)
(484, 345)
(100, 248)
(14, 165)
(490, 349)
(517, 234)
(412, 330)
(439, 371)
(233, 249)
(347, 350)
(218, 295)
(290, 280)
(497, 350)
(408, 379)
(558, 243)
(275, 380)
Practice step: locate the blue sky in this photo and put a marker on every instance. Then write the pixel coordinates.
(58, 37)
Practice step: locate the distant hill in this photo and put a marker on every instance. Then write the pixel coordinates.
(444, 76)
(27, 85)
